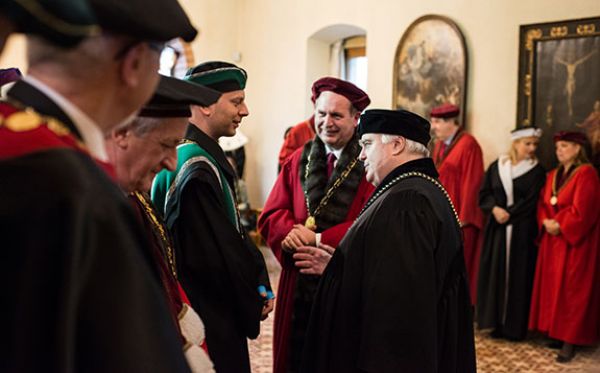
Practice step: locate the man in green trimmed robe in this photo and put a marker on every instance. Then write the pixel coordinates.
(222, 271)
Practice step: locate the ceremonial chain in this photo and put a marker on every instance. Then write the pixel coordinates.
(311, 222)
(554, 197)
(161, 230)
(404, 176)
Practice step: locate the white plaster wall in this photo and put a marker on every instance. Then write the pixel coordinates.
(272, 37)
(273, 43)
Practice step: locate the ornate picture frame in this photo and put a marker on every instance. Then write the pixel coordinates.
(559, 81)
(430, 66)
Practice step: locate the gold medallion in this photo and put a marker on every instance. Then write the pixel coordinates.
(311, 223)
(23, 121)
(553, 200)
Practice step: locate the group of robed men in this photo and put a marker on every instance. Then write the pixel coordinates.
(93, 284)
(394, 297)
(89, 288)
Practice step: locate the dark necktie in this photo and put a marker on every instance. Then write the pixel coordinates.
(442, 150)
(331, 158)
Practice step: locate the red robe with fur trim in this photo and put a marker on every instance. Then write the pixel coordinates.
(285, 207)
(565, 302)
(461, 173)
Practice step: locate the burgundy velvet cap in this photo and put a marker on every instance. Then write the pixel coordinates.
(571, 136)
(445, 111)
(359, 98)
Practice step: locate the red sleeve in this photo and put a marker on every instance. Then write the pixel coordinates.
(577, 220)
(277, 218)
(470, 213)
(299, 135)
(542, 206)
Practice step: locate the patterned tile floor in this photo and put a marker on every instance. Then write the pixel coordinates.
(493, 356)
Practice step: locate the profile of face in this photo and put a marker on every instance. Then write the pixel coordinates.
(227, 113)
(567, 151)
(375, 156)
(139, 157)
(526, 147)
(334, 123)
(139, 71)
(443, 129)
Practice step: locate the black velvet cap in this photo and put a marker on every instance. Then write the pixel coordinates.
(63, 22)
(395, 122)
(173, 98)
(153, 20)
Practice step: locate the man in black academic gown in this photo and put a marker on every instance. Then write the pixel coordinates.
(394, 297)
(221, 270)
(78, 291)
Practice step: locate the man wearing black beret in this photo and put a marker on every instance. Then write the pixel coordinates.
(394, 297)
(139, 150)
(80, 293)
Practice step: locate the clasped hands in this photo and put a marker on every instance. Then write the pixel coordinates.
(551, 226)
(309, 256)
(500, 214)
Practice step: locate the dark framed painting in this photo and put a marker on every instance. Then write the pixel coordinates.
(430, 66)
(559, 81)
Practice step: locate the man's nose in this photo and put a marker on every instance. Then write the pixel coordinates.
(244, 112)
(170, 161)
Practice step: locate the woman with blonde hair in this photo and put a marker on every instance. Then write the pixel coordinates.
(566, 294)
(508, 196)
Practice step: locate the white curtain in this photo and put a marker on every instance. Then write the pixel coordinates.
(337, 63)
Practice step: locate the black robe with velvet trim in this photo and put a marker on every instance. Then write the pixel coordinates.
(219, 269)
(523, 253)
(78, 292)
(394, 297)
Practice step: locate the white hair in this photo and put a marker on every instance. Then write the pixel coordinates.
(412, 147)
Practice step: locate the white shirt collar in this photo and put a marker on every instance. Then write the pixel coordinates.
(337, 152)
(92, 136)
(449, 139)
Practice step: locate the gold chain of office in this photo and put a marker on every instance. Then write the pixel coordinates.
(161, 230)
(404, 176)
(311, 222)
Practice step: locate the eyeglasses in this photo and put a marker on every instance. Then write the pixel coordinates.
(153, 45)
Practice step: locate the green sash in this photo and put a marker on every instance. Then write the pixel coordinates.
(166, 182)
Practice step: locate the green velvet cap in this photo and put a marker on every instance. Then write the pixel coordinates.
(220, 76)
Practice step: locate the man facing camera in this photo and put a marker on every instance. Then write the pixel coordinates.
(394, 297)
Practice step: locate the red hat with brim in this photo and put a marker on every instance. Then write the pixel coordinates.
(571, 136)
(359, 98)
(445, 111)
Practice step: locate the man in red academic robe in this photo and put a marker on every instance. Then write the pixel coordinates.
(318, 194)
(297, 136)
(459, 161)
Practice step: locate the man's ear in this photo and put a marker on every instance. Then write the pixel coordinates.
(398, 145)
(356, 118)
(121, 137)
(131, 65)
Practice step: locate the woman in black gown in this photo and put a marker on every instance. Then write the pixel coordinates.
(508, 196)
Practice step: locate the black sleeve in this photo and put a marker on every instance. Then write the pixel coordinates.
(486, 193)
(217, 269)
(79, 294)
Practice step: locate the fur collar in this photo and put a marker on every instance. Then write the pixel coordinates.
(315, 183)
